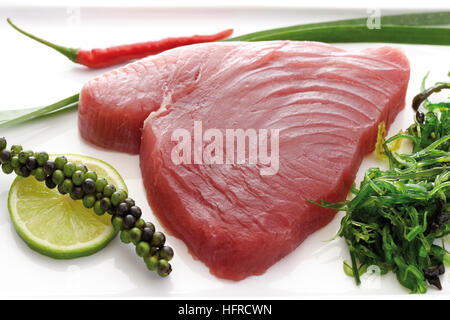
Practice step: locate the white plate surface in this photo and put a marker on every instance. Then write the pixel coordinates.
(33, 75)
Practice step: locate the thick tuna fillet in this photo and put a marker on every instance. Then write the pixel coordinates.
(325, 101)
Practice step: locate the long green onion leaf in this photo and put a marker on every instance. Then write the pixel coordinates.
(441, 18)
(357, 33)
(13, 117)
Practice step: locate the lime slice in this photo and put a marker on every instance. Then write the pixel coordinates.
(55, 225)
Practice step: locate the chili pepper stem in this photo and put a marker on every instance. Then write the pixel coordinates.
(70, 53)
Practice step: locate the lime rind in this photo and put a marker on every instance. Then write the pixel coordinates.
(73, 248)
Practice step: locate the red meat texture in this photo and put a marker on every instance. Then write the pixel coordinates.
(325, 102)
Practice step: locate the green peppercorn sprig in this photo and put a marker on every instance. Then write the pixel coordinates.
(96, 193)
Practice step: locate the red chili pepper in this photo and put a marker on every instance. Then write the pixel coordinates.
(99, 58)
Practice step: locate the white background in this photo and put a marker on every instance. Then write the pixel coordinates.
(33, 75)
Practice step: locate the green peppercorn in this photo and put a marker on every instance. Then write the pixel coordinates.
(118, 197)
(60, 162)
(49, 167)
(15, 161)
(78, 177)
(69, 169)
(140, 224)
(129, 202)
(77, 193)
(60, 189)
(41, 157)
(109, 190)
(117, 223)
(89, 201)
(16, 149)
(98, 209)
(164, 268)
(136, 212)
(142, 249)
(5, 156)
(66, 186)
(31, 163)
(23, 156)
(49, 182)
(100, 184)
(125, 236)
(24, 171)
(166, 253)
(99, 195)
(135, 234)
(129, 221)
(7, 167)
(105, 204)
(122, 209)
(158, 239)
(151, 262)
(91, 175)
(154, 251)
(3, 143)
(73, 195)
(88, 186)
(58, 176)
(147, 234)
(81, 167)
(150, 226)
(40, 174)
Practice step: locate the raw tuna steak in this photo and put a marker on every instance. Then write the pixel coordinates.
(325, 103)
